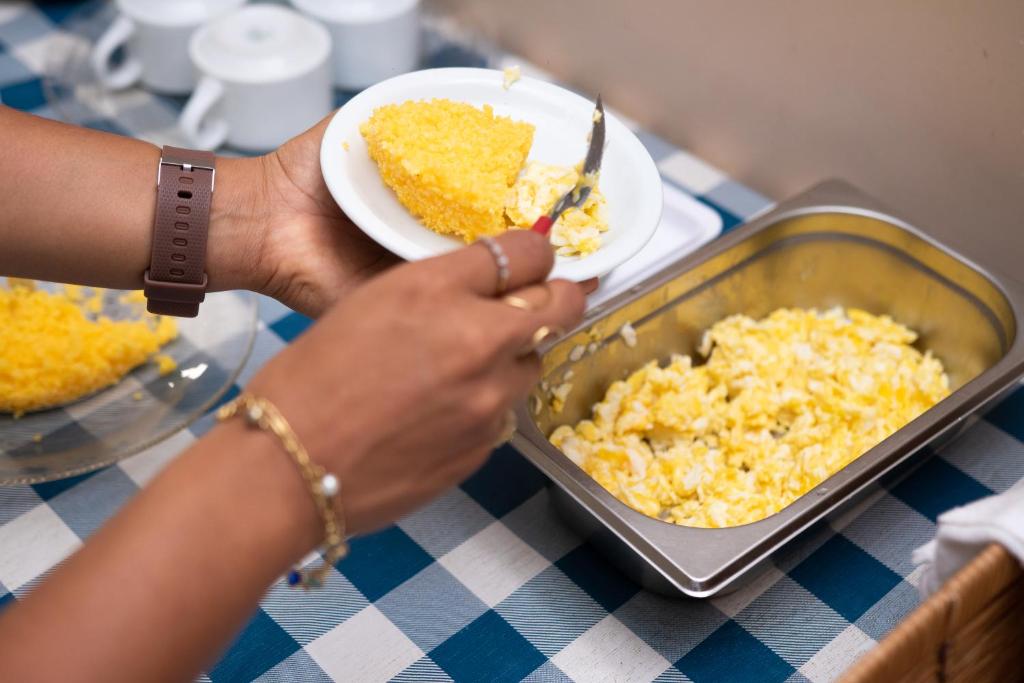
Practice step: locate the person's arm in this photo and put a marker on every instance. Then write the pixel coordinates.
(73, 191)
(77, 205)
(401, 390)
(158, 591)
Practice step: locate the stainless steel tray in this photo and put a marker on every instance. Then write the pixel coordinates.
(831, 245)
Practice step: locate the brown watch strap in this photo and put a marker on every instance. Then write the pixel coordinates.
(175, 283)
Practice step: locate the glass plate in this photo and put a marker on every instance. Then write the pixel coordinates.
(143, 408)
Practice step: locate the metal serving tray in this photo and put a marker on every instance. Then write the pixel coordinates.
(831, 245)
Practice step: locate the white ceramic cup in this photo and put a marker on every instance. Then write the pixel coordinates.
(265, 77)
(373, 39)
(154, 35)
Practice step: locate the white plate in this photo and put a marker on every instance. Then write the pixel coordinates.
(629, 177)
(686, 225)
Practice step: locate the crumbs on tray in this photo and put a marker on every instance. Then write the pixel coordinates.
(628, 334)
(559, 395)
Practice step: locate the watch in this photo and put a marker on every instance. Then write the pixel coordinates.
(175, 282)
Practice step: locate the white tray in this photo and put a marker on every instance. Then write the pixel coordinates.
(686, 224)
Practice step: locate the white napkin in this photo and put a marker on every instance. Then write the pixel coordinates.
(966, 531)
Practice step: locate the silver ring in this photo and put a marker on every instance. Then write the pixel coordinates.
(500, 260)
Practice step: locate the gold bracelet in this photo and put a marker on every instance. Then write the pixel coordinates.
(259, 413)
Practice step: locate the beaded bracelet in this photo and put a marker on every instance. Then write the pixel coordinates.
(259, 413)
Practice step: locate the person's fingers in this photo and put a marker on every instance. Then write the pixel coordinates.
(528, 256)
(318, 129)
(459, 468)
(556, 307)
(590, 286)
(528, 299)
(500, 429)
(470, 453)
(519, 377)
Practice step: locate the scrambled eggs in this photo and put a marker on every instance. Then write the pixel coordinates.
(780, 405)
(56, 347)
(510, 75)
(578, 231)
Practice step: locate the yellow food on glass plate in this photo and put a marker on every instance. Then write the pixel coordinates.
(56, 346)
(779, 405)
(463, 171)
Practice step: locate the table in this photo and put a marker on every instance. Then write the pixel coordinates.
(486, 583)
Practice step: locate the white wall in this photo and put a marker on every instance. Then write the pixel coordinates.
(920, 102)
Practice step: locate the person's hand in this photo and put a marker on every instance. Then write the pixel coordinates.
(284, 235)
(303, 250)
(404, 387)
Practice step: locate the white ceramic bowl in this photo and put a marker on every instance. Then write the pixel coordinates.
(629, 177)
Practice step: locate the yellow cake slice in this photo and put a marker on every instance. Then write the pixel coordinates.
(451, 164)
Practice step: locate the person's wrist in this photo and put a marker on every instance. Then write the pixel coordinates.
(270, 493)
(336, 445)
(237, 226)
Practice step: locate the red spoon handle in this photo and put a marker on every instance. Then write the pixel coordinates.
(543, 225)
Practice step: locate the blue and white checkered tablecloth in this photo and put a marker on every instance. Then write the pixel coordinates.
(486, 584)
